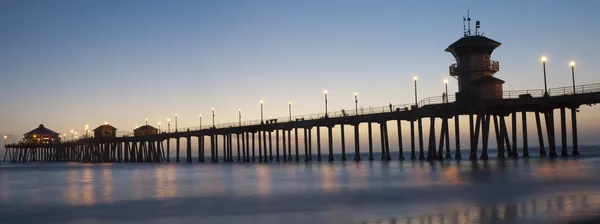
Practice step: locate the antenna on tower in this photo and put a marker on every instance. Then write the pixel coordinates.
(469, 22)
(464, 26)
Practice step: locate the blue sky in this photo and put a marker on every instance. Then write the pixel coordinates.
(70, 63)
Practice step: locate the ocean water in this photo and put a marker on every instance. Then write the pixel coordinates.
(535, 190)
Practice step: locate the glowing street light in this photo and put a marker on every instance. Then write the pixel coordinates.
(572, 64)
(159, 127)
(5, 137)
(325, 93)
(415, 80)
(146, 121)
(71, 134)
(355, 103)
(106, 123)
(544, 59)
(446, 84)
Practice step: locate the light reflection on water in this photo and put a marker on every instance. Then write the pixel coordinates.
(520, 191)
(557, 209)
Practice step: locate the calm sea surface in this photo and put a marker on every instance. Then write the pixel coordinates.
(535, 190)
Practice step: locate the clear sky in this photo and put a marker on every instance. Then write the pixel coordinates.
(70, 63)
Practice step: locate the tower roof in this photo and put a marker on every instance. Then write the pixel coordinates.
(42, 130)
(472, 44)
(105, 126)
(146, 128)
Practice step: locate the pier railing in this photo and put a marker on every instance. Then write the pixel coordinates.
(580, 89)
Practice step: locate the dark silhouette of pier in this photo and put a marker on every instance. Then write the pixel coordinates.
(254, 145)
(480, 96)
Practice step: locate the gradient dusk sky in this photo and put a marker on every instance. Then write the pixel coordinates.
(70, 63)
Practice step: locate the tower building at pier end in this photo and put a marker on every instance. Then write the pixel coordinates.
(474, 68)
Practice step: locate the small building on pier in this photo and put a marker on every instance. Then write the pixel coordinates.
(41, 135)
(145, 131)
(105, 131)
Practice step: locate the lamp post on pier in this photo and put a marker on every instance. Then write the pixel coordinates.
(544, 59)
(415, 80)
(446, 84)
(213, 115)
(290, 109)
(175, 122)
(72, 134)
(240, 117)
(159, 127)
(5, 137)
(325, 93)
(572, 64)
(146, 121)
(355, 103)
(168, 125)
(261, 111)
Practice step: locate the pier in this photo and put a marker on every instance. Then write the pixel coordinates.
(252, 143)
(480, 98)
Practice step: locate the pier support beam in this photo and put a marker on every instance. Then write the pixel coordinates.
(319, 143)
(309, 158)
(387, 142)
(504, 131)
(253, 148)
(265, 146)
(413, 155)
(239, 155)
(514, 152)
(188, 155)
(216, 148)
(370, 133)
(260, 157)
(474, 132)
(499, 138)
(421, 150)
(447, 131)
(330, 135)
(305, 144)
(574, 131)
(485, 119)
(277, 145)
(270, 147)
(540, 134)
(457, 154)
(168, 150)
(283, 140)
(343, 141)
(524, 128)
(177, 159)
(549, 117)
(382, 136)
(289, 145)
(356, 143)
(563, 132)
(296, 145)
(431, 154)
(400, 148)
